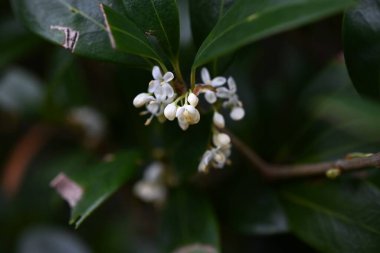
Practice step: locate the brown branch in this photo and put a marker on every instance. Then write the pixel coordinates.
(278, 172)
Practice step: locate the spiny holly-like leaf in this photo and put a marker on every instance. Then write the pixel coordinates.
(335, 216)
(157, 18)
(361, 33)
(77, 25)
(251, 20)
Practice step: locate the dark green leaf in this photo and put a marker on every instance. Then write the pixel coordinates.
(354, 115)
(126, 36)
(204, 15)
(361, 33)
(188, 220)
(99, 181)
(251, 207)
(248, 21)
(15, 41)
(335, 216)
(45, 17)
(157, 18)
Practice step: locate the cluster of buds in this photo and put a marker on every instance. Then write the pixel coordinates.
(161, 101)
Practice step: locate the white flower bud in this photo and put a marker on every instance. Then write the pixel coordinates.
(141, 99)
(218, 120)
(221, 139)
(237, 113)
(193, 99)
(170, 111)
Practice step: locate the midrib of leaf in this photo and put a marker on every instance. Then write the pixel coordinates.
(134, 37)
(162, 26)
(318, 208)
(76, 10)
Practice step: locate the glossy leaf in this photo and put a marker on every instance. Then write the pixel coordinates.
(113, 175)
(335, 216)
(204, 15)
(188, 220)
(44, 17)
(361, 33)
(126, 36)
(248, 21)
(157, 18)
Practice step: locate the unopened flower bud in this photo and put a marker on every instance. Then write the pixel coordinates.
(218, 120)
(193, 99)
(141, 99)
(170, 111)
(221, 139)
(237, 113)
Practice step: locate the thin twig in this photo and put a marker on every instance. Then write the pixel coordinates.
(278, 172)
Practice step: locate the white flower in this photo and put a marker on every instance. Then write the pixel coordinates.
(210, 95)
(90, 120)
(218, 120)
(160, 85)
(141, 99)
(216, 156)
(170, 111)
(187, 115)
(152, 188)
(233, 102)
(216, 82)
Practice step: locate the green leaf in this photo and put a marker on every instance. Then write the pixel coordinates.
(361, 33)
(188, 220)
(358, 117)
(336, 217)
(45, 17)
(250, 20)
(204, 15)
(15, 41)
(99, 181)
(126, 36)
(251, 207)
(157, 18)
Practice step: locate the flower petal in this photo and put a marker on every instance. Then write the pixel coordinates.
(210, 96)
(153, 85)
(232, 85)
(218, 81)
(223, 92)
(168, 77)
(168, 90)
(156, 73)
(205, 75)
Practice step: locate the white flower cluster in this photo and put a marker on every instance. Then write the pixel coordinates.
(217, 156)
(152, 187)
(162, 102)
(214, 89)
